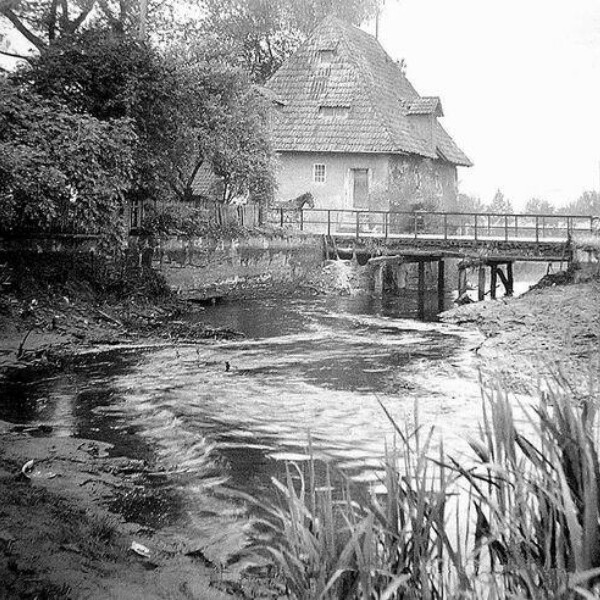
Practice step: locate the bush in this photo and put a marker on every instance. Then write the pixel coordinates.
(524, 510)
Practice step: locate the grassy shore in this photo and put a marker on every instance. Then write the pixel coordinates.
(518, 517)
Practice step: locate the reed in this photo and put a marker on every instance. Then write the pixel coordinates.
(519, 518)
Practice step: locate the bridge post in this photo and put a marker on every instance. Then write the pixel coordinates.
(462, 281)
(510, 285)
(421, 289)
(441, 285)
(481, 283)
(494, 283)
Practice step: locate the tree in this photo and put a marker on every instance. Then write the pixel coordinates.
(260, 34)
(500, 204)
(467, 204)
(539, 207)
(587, 204)
(186, 111)
(220, 121)
(44, 22)
(109, 75)
(59, 168)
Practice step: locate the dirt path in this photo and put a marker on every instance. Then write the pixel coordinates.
(539, 335)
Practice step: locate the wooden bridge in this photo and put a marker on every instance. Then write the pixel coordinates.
(453, 233)
(391, 240)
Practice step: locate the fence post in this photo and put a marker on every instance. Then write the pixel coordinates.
(544, 227)
(281, 217)
(386, 224)
(506, 228)
(537, 229)
(416, 226)
(569, 226)
(357, 224)
(591, 224)
(445, 226)
(301, 219)
(329, 222)
(516, 227)
(475, 228)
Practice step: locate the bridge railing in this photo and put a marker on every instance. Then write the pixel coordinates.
(436, 225)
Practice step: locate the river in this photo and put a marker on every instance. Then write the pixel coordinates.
(227, 415)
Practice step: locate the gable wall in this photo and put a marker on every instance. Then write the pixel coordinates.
(295, 176)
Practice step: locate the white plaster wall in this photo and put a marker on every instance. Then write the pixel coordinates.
(295, 176)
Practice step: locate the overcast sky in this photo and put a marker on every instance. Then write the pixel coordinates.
(520, 88)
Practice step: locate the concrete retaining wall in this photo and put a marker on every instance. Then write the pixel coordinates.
(200, 268)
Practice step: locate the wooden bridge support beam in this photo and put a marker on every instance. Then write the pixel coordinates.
(481, 283)
(441, 284)
(494, 282)
(462, 281)
(421, 297)
(510, 287)
(389, 275)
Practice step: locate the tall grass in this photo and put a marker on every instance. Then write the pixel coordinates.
(518, 518)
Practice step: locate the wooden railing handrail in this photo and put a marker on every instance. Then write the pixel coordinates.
(439, 212)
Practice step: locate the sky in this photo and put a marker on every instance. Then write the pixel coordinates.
(520, 87)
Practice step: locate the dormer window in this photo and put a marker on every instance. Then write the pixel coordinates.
(334, 112)
(326, 56)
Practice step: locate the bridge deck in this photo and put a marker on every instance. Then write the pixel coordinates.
(541, 237)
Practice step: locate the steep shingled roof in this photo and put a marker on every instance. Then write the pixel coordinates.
(341, 92)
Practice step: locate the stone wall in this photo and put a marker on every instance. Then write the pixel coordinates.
(200, 268)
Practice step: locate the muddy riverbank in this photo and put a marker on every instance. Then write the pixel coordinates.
(548, 332)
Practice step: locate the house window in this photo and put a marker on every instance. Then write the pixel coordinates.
(340, 112)
(319, 173)
(326, 57)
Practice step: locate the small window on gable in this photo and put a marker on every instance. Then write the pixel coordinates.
(334, 112)
(326, 56)
(319, 173)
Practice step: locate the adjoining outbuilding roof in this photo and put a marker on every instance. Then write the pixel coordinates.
(341, 92)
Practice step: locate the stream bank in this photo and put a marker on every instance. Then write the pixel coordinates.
(551, 331)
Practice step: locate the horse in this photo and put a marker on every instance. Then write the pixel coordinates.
(306, 199)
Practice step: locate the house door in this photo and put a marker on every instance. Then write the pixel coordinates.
(360, 188)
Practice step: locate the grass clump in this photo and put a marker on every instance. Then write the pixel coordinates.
(519, 517)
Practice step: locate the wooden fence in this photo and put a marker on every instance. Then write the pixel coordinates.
(200, 211)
